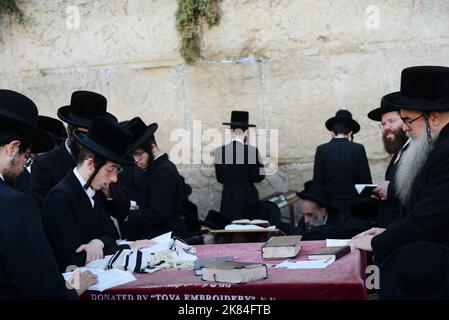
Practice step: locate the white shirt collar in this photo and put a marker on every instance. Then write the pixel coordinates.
(66, 143)
(90, 192)
(158, 156)
(238, 140)
(1, 177)
(402, 150)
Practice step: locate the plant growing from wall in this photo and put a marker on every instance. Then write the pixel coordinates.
(189, 17)
(11, 8)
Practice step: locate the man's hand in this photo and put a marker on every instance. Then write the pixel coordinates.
(382, 190)
(94, 250)
(371, 232)
(142, 244)
(87, 279)
(362, 243)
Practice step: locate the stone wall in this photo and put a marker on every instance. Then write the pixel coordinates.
(291, 64)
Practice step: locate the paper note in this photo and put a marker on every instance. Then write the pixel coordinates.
(307, 264)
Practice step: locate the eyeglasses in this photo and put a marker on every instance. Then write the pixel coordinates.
(408, 122)
(389, 122)
(28, 159)
(114, 170)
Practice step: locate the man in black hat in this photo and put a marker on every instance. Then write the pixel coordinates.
(159, 187)
(319, 219)
(341, 163)
(395, 143)
(56, 130)
(74, 216)
(28, 268)
(422, 177)
(238, 167)
(49, 168)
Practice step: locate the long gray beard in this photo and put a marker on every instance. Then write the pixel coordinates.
(411, 163)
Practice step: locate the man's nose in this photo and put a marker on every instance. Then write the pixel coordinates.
(114, 178)
(405, 127)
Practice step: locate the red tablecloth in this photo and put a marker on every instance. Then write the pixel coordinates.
(343, 279)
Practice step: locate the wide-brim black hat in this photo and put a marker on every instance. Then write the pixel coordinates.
(319, 195)
(343, 116)
(107, 139)
(423, 88)
(239, 120)
(419, 270)
(140, 131)
(307, 186)
(18, 114)
(54, 127)
(84, 108)
(385, 107)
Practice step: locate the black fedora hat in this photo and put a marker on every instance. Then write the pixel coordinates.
(239, 120)
(419, 270)
(54, 127)
(385, 107)
(307, 185)
(84, 107)
(423, 88)
(107, 139)
(18, 114)
(140, 131)
(319, 194)
(343, 116)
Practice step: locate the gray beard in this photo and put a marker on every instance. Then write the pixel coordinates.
(411, 163)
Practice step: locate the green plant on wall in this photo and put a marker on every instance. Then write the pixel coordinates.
(189, 17)
(10, 7)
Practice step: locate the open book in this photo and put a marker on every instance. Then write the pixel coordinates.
(235, 272)
(365, 190)
(257, 222)
(106, 278)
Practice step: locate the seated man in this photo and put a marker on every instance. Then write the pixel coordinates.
(158, 187)
(74, 216)
(28, 268)
(319, 219)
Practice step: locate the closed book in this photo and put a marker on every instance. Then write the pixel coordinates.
(365, 190)
(203, 262)
(235, 272)
(329, 252)
(281, 247)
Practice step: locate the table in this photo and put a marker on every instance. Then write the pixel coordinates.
(344, 279)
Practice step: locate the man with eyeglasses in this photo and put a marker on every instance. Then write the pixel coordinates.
(74, 215)
(395, 143)
(422, 178)
(28, 269)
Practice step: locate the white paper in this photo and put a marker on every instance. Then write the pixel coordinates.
(106, 278)
(163, 243)
(307, 264)
(360, 187)
(336, 242)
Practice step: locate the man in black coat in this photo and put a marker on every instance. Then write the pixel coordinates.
(159, 187)
(74, 216)
(395, 142)
(28, 269)
(423, 173)
(51, 167)
(341, 163)
(238, 167)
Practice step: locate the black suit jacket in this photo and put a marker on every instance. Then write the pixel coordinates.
(28, 269)
(159, 196)
(70, 221)
(339, 165)
(237, 167)
(51, 167)
(426, 216)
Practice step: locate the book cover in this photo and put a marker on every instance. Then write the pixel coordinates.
(257, 222)
(235, 272)
(281, 247)
(365, 190)
(327, 252)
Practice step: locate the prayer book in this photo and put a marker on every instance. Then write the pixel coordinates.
(325, 253)
(281, 247)
(235, 272)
